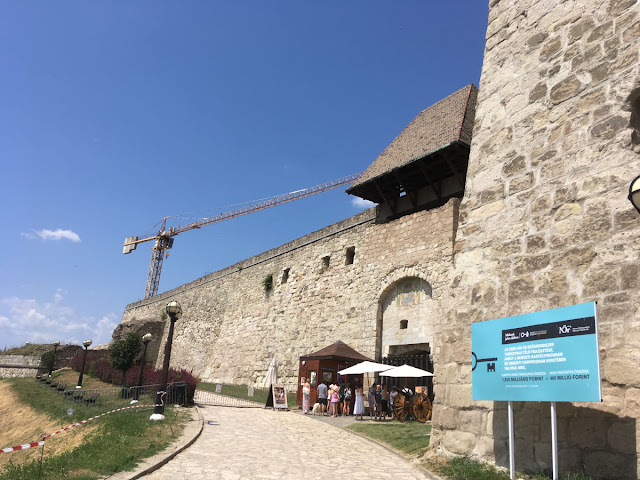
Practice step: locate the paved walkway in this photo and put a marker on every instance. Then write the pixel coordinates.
(239, 443)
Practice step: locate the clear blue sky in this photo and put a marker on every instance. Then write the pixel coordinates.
(116, 114)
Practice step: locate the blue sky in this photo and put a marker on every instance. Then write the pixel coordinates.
(114, 115)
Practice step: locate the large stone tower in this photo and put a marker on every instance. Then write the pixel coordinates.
(545, 223)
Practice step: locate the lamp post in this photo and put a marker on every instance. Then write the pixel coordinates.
(634, 193)
(55, 348)
(86, 344)
(145, 340)
(174, 310)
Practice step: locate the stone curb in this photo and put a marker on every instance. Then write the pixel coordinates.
(424, 471)
(190, 435)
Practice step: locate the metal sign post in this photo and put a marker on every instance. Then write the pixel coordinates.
(554, 441)
(512, 450)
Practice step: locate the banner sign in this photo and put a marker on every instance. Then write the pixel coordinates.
(550, 356)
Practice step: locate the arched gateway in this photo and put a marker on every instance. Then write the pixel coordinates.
(405, 330)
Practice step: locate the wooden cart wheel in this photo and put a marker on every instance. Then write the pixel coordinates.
(422, 408)
(400, 408)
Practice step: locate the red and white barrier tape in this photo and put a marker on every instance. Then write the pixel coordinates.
(35, 444)
(22, 447)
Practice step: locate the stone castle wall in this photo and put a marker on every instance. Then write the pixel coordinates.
(545, 223)
(232, 326)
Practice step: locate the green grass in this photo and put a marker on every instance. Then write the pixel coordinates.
(46, 400)
(120, 441)
(241, 391)
(409, 438)
(466, 469)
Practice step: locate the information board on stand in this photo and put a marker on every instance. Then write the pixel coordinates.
(551, 355)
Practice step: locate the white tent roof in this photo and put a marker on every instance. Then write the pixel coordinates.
(406, 371)
(365, 367)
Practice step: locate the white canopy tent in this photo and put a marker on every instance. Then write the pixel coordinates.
(406, 371)
(365, 367)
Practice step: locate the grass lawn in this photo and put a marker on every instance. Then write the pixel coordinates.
(113, 443)
(465, 469)
(241, 391)
(411, 438)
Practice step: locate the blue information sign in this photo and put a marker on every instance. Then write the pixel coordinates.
(547, 356)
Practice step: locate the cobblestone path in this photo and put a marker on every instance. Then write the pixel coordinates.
(251, 443)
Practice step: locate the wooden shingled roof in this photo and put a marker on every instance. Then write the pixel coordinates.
(336, 351)
(421, 154)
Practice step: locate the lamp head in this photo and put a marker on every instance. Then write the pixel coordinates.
(56, 343)
(86, 343)
(147, 338)
(634, 193)
(174, 309)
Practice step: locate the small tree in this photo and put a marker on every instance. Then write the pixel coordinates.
(48, 360)
(123, 353)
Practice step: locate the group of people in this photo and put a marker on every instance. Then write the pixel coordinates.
(335, 399)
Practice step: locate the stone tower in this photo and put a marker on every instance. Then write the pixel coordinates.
(545, 222)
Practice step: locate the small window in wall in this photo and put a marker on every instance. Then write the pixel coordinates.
(325, 262)
(285, 275)
(404, 324)
(351, 253)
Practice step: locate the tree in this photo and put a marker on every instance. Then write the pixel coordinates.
(48, 360)
(123, 353)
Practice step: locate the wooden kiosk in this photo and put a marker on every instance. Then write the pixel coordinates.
(323, 366)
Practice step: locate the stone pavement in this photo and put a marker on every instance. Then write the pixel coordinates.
(251, 443)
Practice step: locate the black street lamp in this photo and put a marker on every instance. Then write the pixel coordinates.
(174, 310)
(145, 340)
(55, 348)
(86, 344)
(634, 193)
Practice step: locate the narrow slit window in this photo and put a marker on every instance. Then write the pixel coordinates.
(285, 275)
(351, 253)
(325, 262)
(404, 324)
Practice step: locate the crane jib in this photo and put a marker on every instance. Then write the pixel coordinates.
(164, 238)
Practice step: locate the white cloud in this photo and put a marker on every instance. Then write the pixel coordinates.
(362, 203)
(27, 320)
(58, 234)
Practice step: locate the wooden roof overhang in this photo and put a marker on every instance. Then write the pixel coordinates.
(431, 170)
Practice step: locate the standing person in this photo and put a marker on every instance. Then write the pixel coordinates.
(329, 405)
(392, 397)
(372, 391)
(306, 396)
(385, 402)
(322, 397)
(358, 408)
(377, 398)
(335, 401)
(346, 405)
(343, 388)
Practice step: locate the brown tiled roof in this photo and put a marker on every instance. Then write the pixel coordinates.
(449, 120)
(338, 350)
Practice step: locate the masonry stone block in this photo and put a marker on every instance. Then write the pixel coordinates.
(458, 442)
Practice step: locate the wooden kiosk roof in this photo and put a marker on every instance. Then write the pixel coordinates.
(336, 351)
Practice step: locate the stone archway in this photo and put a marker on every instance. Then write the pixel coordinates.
(405, 306)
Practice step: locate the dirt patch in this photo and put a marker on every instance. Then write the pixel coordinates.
(20, 424)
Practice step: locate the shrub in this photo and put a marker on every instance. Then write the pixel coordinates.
(103, 370)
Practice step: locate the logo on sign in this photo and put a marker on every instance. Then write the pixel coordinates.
(565, 329)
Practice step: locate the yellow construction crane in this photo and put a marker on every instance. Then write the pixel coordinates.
(164, 238)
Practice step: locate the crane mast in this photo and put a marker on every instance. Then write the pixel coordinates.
(163, 240)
